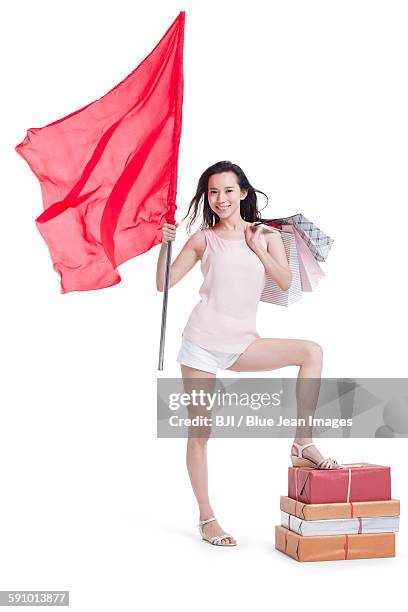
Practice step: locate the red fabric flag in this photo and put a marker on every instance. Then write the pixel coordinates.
(108, 171)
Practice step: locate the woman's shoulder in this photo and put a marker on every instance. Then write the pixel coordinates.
(197, 242)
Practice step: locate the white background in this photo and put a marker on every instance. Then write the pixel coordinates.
(310, 99)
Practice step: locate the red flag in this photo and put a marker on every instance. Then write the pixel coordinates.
(108, 171)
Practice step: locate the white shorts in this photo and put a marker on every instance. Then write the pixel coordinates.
(195, 356)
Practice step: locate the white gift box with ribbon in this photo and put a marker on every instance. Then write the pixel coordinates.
(375, 524)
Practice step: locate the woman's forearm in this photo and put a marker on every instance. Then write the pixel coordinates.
(281, 275)
(161, 266)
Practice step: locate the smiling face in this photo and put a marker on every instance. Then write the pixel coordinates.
(224, 194)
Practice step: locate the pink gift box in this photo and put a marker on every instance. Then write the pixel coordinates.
(350, 483)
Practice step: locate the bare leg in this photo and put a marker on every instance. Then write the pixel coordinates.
(197, 451)
(267, 354)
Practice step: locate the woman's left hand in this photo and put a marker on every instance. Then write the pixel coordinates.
(253, 237)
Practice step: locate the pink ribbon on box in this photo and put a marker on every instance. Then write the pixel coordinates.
(346, 547)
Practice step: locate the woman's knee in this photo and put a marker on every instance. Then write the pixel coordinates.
(312, 352)
(198, 437)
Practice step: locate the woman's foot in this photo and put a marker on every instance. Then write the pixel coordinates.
(313, 454)
(213, 528)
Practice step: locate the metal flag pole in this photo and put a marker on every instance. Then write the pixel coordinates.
(164, 307)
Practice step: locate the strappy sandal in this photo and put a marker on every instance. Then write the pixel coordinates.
(300, 461)
(216, 540)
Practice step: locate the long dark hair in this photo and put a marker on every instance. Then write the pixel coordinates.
(248, 208)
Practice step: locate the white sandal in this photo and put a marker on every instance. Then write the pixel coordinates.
(216, 540)
(300, 461)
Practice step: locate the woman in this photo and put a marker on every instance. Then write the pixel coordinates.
(221, 330)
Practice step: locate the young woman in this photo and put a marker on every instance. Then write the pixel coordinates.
(221, 330)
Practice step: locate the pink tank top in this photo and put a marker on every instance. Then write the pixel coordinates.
(234, 277)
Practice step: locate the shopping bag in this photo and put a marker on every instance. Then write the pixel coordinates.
(316, 240)
(272, 293)
(310, 271)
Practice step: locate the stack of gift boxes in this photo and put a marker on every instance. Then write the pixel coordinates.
(345, 513)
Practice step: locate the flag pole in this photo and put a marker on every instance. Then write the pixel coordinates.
(179, 86)
(164, 307)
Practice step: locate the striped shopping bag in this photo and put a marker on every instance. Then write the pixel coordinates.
(272, 293)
